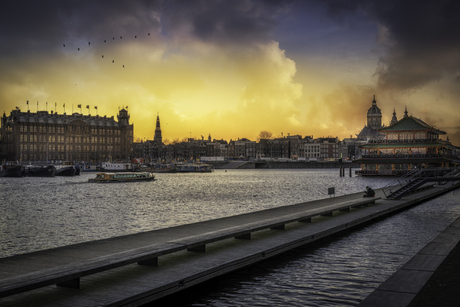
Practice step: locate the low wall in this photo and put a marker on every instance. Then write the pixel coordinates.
(285, 165)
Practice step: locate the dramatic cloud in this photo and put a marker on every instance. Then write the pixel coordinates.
(234, 68)
(420, 39)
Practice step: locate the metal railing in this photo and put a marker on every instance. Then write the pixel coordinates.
(403, 180)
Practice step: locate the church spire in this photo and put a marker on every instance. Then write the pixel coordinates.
(157, 138)
(394, 119)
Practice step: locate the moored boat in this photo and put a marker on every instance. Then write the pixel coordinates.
(12, 171)
(123, 177)
(41, 171)
(87, 167)
(194, 168)
(117, 167)
(65, 170)
(164, 168)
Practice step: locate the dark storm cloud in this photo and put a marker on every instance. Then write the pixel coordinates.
(227, 22)
(40, 26)
(423, 40)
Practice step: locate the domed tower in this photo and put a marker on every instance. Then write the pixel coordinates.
(157, 137)
(374, 116)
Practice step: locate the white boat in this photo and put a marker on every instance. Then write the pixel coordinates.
(117, 167)
(123, 177)
(88, 167)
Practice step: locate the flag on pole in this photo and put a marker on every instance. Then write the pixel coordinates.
(87, 106)
(79, 106)
(27, 102)
(63, 105)
(95, 107)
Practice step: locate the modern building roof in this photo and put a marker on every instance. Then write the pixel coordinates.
(410, 123)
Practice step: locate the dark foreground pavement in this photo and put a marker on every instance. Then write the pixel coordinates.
(443, 288)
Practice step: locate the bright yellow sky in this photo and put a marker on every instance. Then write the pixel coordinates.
(315, 79)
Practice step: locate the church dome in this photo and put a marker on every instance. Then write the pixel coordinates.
(374, 109)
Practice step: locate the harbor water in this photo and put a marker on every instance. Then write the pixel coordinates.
(42, 213)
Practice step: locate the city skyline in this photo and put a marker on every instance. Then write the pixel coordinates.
(233, 69)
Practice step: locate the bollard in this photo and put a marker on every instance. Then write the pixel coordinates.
(350, 173)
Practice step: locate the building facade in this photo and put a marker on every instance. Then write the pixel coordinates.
(47, 136)
(409, 143)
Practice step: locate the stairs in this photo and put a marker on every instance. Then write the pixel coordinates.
(413, 180)
(407, 188)
(454, 173)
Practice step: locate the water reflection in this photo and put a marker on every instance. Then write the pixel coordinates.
(41, 213)
(337, 271)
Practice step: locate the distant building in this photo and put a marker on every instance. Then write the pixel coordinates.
(44, 137)
(374, 123)
(154, 150)
(409, 143)
(157, 138)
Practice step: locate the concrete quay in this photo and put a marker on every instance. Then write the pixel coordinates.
(430, 278)
(140, 268)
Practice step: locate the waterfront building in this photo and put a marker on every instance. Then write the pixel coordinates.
(48, 136)
(152, 150)
(408, 144)
(296, 148)
(240, 149)
(312, 150)
(323, 149)
(350, 148)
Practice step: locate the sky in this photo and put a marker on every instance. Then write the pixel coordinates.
(231, 69)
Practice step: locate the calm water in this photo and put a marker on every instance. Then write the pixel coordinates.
(40, 213)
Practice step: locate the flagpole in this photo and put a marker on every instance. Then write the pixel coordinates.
(27, 105)
(37, 106)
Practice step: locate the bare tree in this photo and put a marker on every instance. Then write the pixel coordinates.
(264, 134)
(166, 141)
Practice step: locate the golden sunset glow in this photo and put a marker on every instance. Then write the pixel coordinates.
(225, 70)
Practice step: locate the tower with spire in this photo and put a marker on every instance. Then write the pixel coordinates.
(394, 119)
(374, 122)
(374, 116)
(157, 138)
